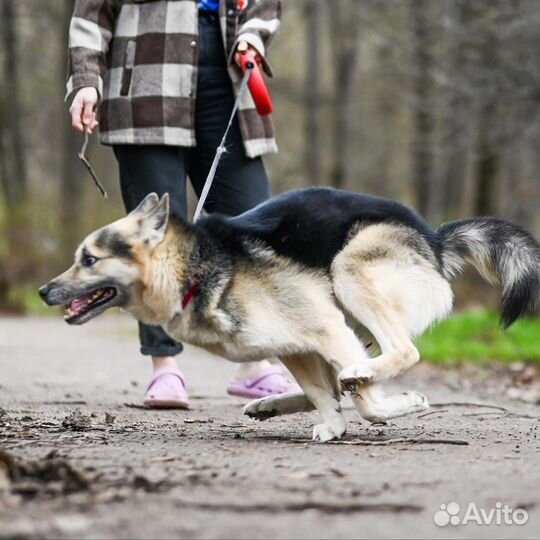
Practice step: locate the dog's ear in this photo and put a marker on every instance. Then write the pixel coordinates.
(147, 204)
(153, 223)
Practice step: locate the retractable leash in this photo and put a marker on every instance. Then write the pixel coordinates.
(221, 148)
(256, 85)
(254, 79)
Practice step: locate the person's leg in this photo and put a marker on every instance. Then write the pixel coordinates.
(160, 169)
(240, 182)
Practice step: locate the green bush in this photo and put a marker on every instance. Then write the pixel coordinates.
(475, 336)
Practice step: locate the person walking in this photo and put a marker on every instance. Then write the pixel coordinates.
(159, 79)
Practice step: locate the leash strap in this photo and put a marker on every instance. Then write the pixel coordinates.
(221, 148)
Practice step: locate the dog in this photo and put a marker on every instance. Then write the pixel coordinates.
(302, 277)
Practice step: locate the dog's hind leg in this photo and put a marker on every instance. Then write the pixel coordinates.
(319, 382)
(270, 406)
(374, 406)
(387, 281)
(368, 399)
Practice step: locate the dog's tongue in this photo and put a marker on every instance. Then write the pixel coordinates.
(78, 303)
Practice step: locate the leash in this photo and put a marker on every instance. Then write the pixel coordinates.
(192, 290)
(221, 148)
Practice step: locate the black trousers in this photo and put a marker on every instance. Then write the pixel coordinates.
(240, 182)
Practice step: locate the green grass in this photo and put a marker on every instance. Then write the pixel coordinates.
(475, 336)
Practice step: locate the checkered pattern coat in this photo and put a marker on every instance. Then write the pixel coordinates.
(142, 55)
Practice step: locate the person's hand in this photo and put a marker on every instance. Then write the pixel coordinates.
(83, 109)
(242, 47)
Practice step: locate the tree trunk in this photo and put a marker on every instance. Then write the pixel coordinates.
(487, 153)
(72, 171)
(423, 121)
(344, 35)
(14, 177)
(456, 128)
(487, 164)
(312, 137)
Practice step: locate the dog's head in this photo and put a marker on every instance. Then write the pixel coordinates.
(110, 263)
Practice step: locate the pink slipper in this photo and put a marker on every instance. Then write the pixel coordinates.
(268, 382)
(167, 390)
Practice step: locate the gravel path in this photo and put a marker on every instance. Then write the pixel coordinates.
(79, 458)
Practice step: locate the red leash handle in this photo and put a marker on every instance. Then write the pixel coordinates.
(256, 85)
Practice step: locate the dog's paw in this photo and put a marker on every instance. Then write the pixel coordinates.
(328, 432)
(357, 373)
(260, 409)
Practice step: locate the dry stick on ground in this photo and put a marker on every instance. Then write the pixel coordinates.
(329, 507)
(432, 412)
(468, 404)
(388, 442)
(485, 413)
(68, 402)
(503, 410)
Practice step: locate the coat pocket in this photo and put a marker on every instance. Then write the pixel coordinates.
(129, 62)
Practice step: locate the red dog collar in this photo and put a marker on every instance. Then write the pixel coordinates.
(189, 294)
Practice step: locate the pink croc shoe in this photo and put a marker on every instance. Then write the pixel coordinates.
(270, 381)
(167, 390)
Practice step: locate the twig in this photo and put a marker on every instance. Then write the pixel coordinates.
(386, 442)
(486, 413)
(503, 410)
(432, 412)
(76, 402)
(468, 404)
(329, 507)
(89, 168)
(135, 406)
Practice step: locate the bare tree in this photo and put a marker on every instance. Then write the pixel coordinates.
(455, 127)
(345, 43)
(423, 117)
(71, 189)
(313, 11)
(12, 153)
(13, 177)
(486, 150)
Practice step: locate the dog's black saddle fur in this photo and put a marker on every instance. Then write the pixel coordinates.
(311, 225)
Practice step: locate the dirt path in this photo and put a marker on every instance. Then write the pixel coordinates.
(210, 473)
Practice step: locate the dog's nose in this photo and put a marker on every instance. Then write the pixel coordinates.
(44, 291)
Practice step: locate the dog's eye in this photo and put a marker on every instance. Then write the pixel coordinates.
(89, 260)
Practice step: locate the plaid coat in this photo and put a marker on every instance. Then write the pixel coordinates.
(142, 56)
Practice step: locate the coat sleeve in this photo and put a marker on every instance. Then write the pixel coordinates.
(90, 33)
(258, 23)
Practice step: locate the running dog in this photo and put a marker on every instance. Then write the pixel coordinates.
(302, 277)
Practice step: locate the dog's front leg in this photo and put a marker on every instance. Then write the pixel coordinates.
(311, 373)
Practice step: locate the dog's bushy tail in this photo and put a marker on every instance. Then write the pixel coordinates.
(503, 253)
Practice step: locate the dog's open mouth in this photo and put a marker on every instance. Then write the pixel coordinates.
(84, 305)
